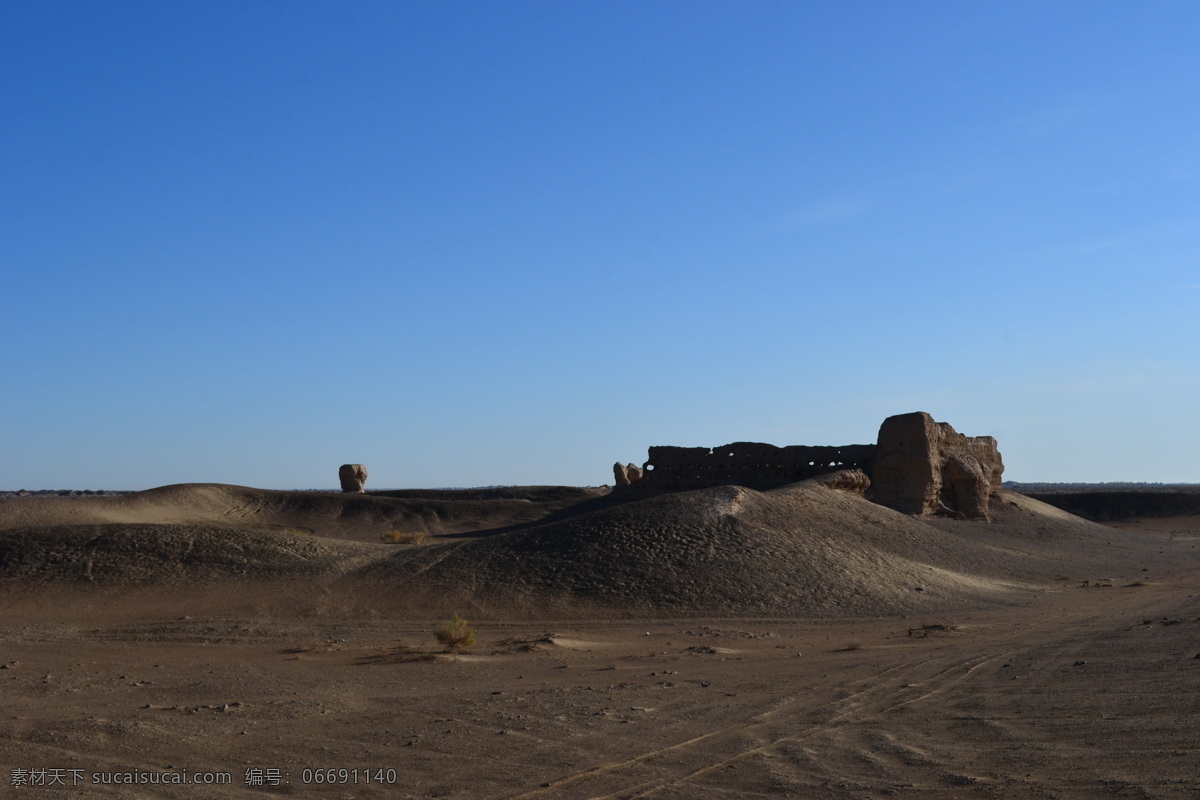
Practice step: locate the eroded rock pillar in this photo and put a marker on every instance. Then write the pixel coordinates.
(353, 477)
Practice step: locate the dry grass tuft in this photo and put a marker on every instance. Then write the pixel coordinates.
(457, 634)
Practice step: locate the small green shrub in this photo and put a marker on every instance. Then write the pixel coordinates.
(402, 537)
(456, 635)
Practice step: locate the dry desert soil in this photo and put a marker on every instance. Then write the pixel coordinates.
(723, 643)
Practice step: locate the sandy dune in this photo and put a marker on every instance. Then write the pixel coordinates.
(803, 549)
(793, 643)
(343, 516)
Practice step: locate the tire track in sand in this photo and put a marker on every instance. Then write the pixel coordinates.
(788, 711)
(875, 703)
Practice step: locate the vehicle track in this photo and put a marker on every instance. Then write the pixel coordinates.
(791, 711)
(868, 704)
(897, 689)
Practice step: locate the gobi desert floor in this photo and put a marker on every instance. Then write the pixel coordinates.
(723, 643)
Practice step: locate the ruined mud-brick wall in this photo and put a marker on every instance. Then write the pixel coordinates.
(927, 467)
(750, 464)
(918, 466)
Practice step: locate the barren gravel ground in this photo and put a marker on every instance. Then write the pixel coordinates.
(1088, 692)
(1085, 684)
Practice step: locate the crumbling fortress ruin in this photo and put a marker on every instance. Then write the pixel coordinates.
(748, 464)
(353, 477)
(625, 474)
(926, 467)
(917, 466)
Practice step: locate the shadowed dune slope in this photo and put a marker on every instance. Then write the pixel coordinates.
(125, 554)
(800, 550)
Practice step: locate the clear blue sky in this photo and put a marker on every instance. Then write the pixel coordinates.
(474, 243)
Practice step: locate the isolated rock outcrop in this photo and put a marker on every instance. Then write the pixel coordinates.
(926, 467)
(353, 477)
